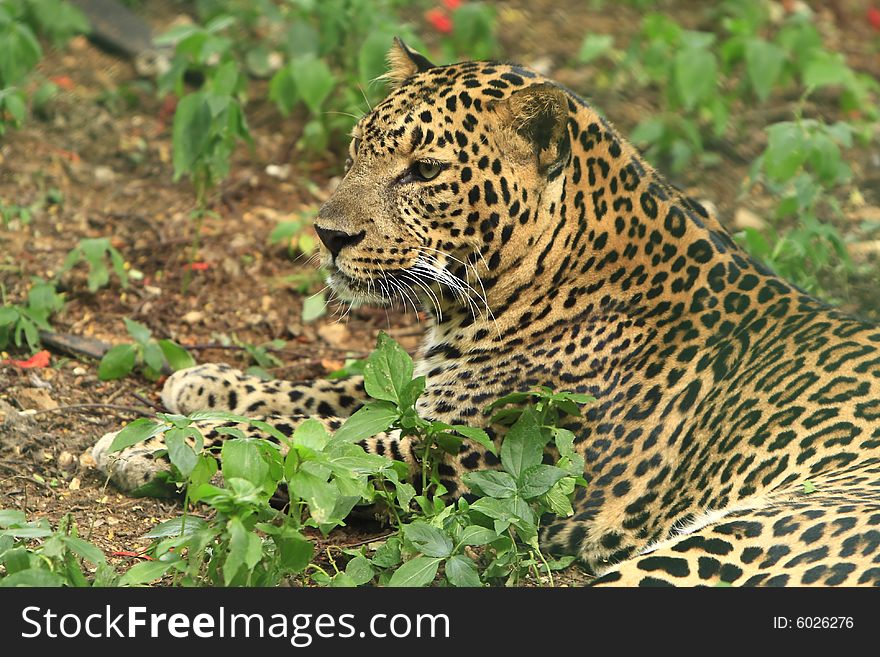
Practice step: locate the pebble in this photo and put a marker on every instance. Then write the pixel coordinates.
(744, 218)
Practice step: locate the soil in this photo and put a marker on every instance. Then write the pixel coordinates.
(97, 164)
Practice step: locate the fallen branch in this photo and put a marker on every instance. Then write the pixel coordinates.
(75, 345)
(77, 407)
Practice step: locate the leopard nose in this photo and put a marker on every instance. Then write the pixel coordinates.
(336, 240)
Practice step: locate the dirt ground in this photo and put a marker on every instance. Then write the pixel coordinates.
(98, 165)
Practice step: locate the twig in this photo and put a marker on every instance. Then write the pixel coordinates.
(283, 350)
(372, 539)
(149, 402)
(114, 407)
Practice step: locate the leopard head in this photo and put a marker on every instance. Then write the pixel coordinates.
(445, 183)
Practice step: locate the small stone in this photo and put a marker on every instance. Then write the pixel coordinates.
(104, 175)
(744, 218)
(336, 335)
(66, 459)
(866, 248)
(35, 398)
(193, 317)
(281, 172)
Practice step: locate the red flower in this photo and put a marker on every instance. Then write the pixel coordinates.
(874, 17)
(197, 266)
(39, 359)
(452, 5)
(439, 20)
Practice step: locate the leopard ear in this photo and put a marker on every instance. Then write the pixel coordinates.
(404, 62)
(539, 115)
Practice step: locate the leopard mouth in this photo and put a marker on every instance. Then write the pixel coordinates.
(353, 290)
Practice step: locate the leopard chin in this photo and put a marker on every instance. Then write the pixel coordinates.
(355, 292)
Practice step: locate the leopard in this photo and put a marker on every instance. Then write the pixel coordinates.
(735, 433)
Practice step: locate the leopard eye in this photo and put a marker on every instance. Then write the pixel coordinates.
(427, 169)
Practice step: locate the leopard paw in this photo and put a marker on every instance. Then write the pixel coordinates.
(131, 468)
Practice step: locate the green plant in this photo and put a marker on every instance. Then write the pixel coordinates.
(20, 22)
(703, 75)
(149, 355)
(247, 542)
(802, 165)
(10, 212)
(57, 559)
(263, 358)
(20, 324)
(294, 233)
(472, 34)
(250, 542)
(207, 126)
(95, 252)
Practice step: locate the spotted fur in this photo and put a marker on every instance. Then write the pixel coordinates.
(736, 433)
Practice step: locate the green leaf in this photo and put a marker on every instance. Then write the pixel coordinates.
(412, 391)
(372, 418)
(523, 446)
(388, 371)
(428, 540)
(8, 316)
(32, 577)
(204, 471)
(695, 75)
(371, 56)
(184, 525)
(419, 571)
(138, 331)
(477, 435)
(785, 151)
(282, 90)
(512, 398)
(493, 483)
(191, 132)
(311, 434)
(245, 549)
(242, 459)
(826, 69)
(388, 554)
(359, 570)
(557, 498)
(135, 432)
(26, 532)
(538, 479)
(764, 63)
(594, 46)
(462, 572)
(180, 453)
(11, 517)
(85, 549)
(476, 535)
(117, 362)
(321, 495)
(314, 81)
(496, 509)
(153, 359)
(314, 307)
(294, 549)
(178, 357)
(14, 104)
(143, 573)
